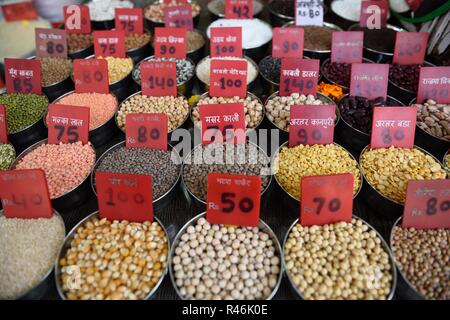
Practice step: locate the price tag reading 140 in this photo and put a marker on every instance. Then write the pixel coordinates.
(23, 76)
(67, 124)
(233, 199)
(91, 75)
(146, 130)
(228, 78)
(158, 78)
(299, 75)
(288, 42)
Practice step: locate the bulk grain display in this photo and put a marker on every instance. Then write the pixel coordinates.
(185, 69)
(7, 156)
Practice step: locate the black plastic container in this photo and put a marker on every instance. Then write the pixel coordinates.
(151, 24)
(137, 54)
(103, 24)
(81, 54)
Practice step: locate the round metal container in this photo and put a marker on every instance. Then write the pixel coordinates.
(103, 24)
(151, 24)
(261, 226)
(71, 199)
(277, 19)
(66, 246)
(139, 53)
(215, 14)
(383, 244)
(197, 54)
(81, 54)
(159, 203)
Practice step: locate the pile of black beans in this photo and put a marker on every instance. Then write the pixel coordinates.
(405, 76)
(338, 73)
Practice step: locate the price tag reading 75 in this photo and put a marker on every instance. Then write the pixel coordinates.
(146, 130)
(91, 75)
(67, 124)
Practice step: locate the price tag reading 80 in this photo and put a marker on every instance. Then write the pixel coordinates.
(434, 83)
(77, 19)
(146, 130)
(23, 76)
(91, 75)
(51, 42)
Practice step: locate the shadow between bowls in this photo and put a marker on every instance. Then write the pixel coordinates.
(81, 54)
(277, 19)
(103, 24)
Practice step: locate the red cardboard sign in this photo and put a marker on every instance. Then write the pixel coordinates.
(19, 11)
(158, 78)
(310, 124)
(23, 76)
(414, 4)
(228, 78)
(326, 199)
(109, 43)
(91, 75)
(427, 204)
(179, 16)
(434, 83)
(233, 199)
(238, 9)
(299, 75)
(77, 19)
(373, 14)
(146, 130)
(226, 42)
(51, 42)
(67, 124)
(170, 43)
(223, 123)
(24, 194)
(347, 46)
(309, 12)
(393, 126)
(288, 42)
(123, 196)
(129, 20)
(410, 47)
(3, 125)
(369, 80)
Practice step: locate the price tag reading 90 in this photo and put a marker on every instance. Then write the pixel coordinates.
(228, 78)
(146, 130)
(91, 75)
(77, 19)
(288, 42)
(299, 76)
(369, 80)
(23, 76)
(434, 83)
(170, 43)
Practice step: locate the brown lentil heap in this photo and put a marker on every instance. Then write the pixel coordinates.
(195, 40)
(55, 70)
(388, 170)
(77, 42)
(133, 41)
(318, 38)
(423, 257)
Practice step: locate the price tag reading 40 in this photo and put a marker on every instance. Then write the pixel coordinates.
(129, 20)
(123, 196)
(347, 46)
(369, 80)
(170, 43)
(288, 42)
(427, 204)
(228, 78)
(67, 124)
(51, 42)
(410, 47)
(299, 75)
(3, 126)
(158, 78)
(24, 194)
(146, 130)
(77, 19)
(434, 83)
(23, 76)
(326, 199)
(226, 42)
(179, 16)
(109, 43)
(238, 9)
(233, 199)
(91, 75)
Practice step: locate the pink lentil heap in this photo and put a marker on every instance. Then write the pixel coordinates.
(65, 165)
(102, 106)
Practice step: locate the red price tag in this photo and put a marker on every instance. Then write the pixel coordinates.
(51, 42)
(24, 194)
(427, 204)
(434, 83)
(170, 43)
(3, 126)
(414, 4)
(67, 124)
(393, 126)
(310, 124)
(2, 84)
(299, 75)
(373, 14)
(109, 43)
(288, 42)
(410, 47)
(326, 199)
(347, 46)
(223, 123)
(179, 16)
(146, 130)
(158, 79)
(233, 199)
(238, 9)
(228, 78)
(369, 80)
(129, 20)
(123, 196)
(23, 76)
(226, 42)
(19, 11)
(77, 19)
(309, 12)
(91, 75)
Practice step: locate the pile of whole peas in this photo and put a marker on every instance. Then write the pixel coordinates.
(374, 258)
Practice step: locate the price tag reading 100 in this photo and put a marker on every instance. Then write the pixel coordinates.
(228, 78)
(91, 75)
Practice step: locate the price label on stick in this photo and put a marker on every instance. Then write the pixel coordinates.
(410, 47)
(226, 42)
(427, 204)
(51, 43)
(310, 124)
(24, 194)
(233, 199)
(23, 76)
(158, 78)
(19, 11)
(77, 19)
(146, 130)
(179, 16)
(238, 9)
(347, 46)
(109, 43)
(299, 75)
(434, 83)
(67, 124)
(3, 126)
(228, 78)
(373, 14)
(91, 75)
(308, 12)
(369, 80)
(223, 122)
(393, 126)
(326, 199)
(123, 196)
(129, 20)
(170, 43)
(288, 43)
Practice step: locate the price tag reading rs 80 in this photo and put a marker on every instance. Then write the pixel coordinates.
(129, 20)
(238, 9)
(288, 42)
(233, 199)
(3, 126)
(146, 130)
(51, 43)
(434, 83)
(226, 42)
(170, 43)
(228, 78)
(158, 78)
(410, 47)
(67, 124)
(109, 44)
(23, 76)
(326, 199)
(124, 196)
(91, 75)
(369, 80)
(77, 19)
(299, 76)
(24, 194)
(308, 12)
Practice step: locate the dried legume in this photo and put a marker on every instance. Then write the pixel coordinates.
(434, 118)
(101, 10)
(155, 12)
(195, 40)
(203, 69)
(405, 76)
(118, 68)
(381, 40)
(337, 72)
(133, 41)
(269, 67)
(185, 69)
(316, 37)
(7, 155)
(55, 70)
(77, 42)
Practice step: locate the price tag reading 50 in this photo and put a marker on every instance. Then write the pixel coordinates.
(146, 130)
